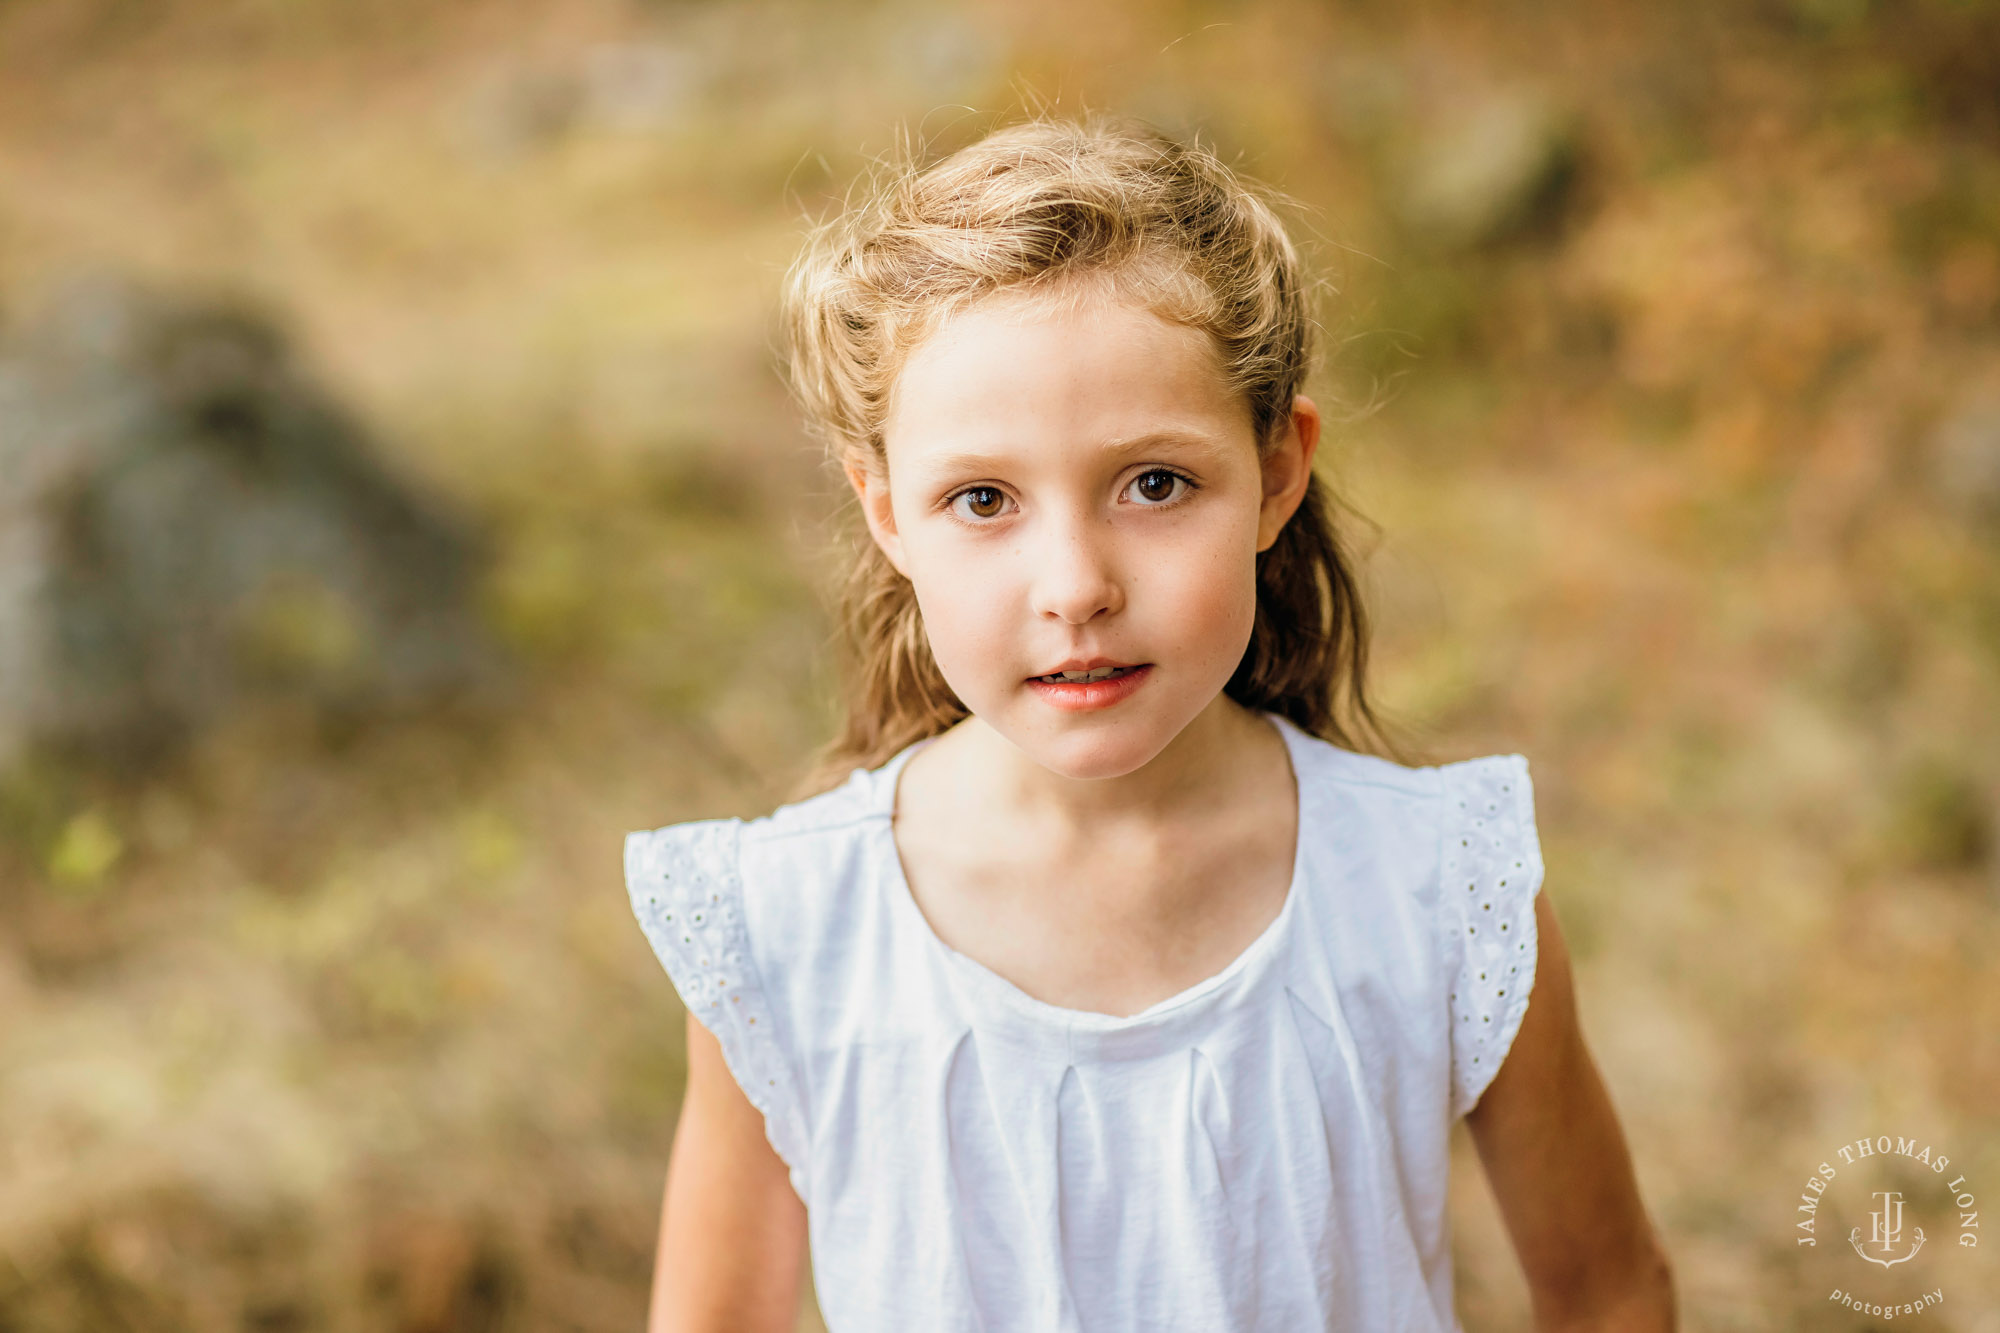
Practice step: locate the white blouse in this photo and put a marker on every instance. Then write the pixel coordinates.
(1266, 1150)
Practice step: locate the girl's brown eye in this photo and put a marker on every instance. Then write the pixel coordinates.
(983, 491)
(1157, 485)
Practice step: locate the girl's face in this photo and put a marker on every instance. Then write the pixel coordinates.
(1074, 484)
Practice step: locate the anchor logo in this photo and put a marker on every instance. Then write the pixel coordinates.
(1886, 1231)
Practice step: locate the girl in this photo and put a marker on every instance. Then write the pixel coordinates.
(1115, 986)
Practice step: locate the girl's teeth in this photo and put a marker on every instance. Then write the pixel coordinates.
(1074, 677)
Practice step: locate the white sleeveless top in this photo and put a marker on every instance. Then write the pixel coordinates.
(1266, 1150)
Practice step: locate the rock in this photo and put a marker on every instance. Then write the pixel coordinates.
(187, 522)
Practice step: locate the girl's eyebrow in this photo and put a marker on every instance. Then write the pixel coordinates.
(1181, 441)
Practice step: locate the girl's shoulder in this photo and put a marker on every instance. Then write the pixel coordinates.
(795, 848)
(1334, 763)
(735, 909)
(1450, 798)
(830, 812)
(724, 898)
(1445, 853)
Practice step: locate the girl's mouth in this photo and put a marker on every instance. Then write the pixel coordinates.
(1080, 690)
(1081, 677)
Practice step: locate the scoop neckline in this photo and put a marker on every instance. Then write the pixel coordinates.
(1110, 1030)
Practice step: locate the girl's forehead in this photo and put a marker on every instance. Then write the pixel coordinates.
(1094, 304)
(1010, 357)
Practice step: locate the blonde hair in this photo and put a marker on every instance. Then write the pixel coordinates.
(1033, 208)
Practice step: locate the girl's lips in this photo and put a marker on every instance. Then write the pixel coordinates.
(1077, 696)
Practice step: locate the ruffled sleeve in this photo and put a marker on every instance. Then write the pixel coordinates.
(1492, 867)
(687, 891)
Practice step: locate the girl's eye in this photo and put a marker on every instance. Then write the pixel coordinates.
(985, 501)
(1157, 486)
(1157, 489)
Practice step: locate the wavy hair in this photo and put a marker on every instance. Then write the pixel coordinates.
(1034, 206)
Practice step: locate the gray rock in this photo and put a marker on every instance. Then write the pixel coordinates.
(187, 522)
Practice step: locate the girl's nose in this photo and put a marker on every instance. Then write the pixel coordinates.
(1076, 576)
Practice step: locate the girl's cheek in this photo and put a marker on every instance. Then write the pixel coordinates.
(961, 602)
(1216, 597)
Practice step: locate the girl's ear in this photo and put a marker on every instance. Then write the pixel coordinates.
(871, 487)
(1288, 470)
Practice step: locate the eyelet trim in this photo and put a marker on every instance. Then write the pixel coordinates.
(1491, 864)
(687, 892)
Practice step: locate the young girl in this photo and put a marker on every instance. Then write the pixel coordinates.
(1114, 987)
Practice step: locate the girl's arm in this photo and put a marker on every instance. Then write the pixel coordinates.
(1557, 1162)
(732, 1231)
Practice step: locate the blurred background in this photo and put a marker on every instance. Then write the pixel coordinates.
(398, 504)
